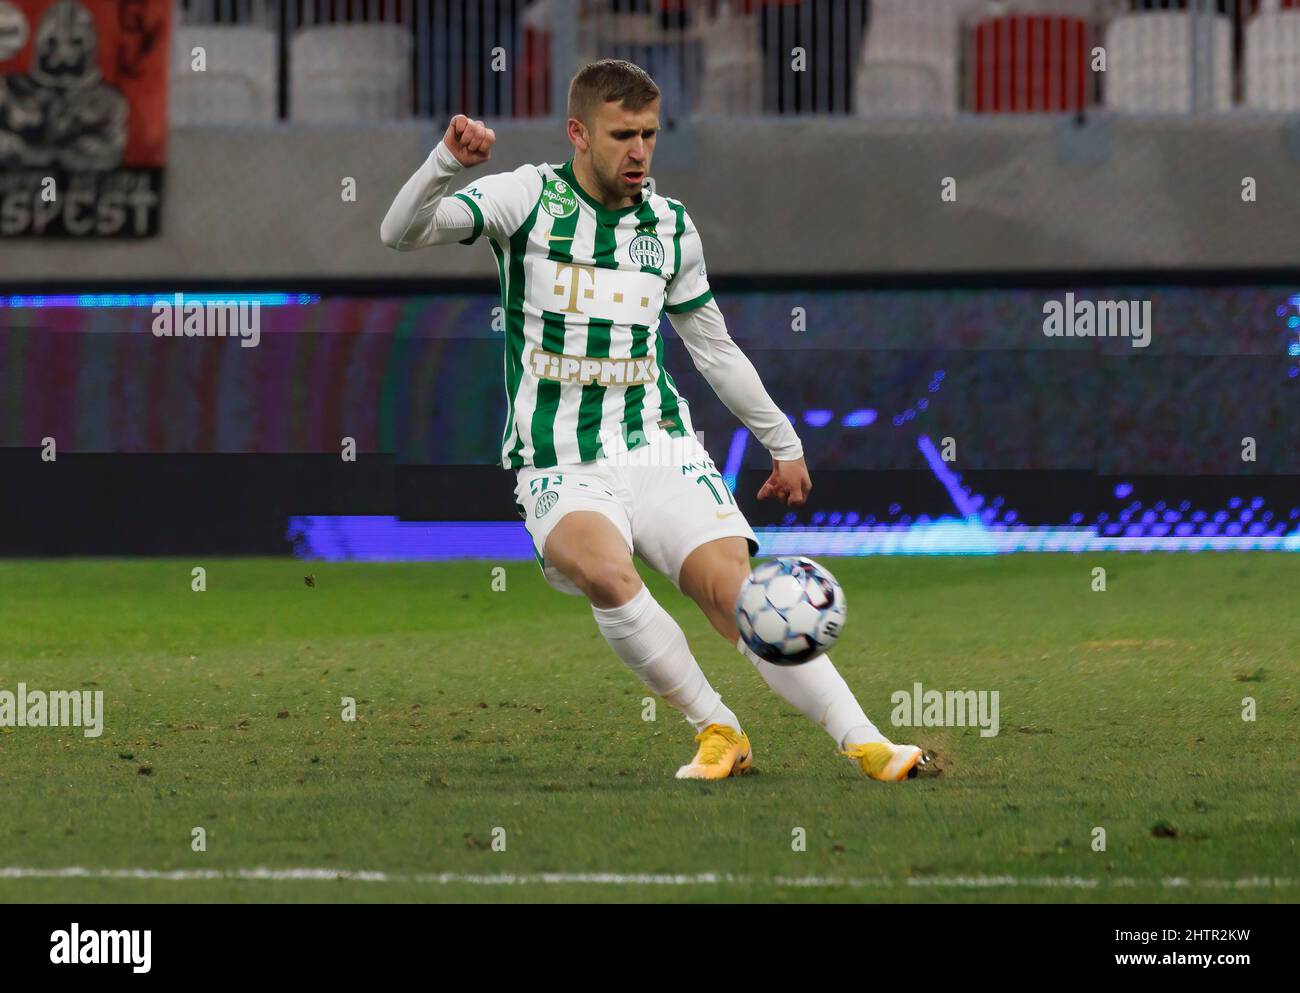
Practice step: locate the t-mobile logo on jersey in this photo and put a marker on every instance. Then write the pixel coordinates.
(583, 369)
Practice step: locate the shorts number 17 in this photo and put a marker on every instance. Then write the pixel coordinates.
(722, 485)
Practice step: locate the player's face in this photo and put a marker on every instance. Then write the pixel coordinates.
(622, 144)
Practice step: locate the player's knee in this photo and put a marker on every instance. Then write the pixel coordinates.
(608, 583)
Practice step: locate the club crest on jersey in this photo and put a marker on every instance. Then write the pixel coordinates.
(646, 250)
(558, 198)
(545, 502)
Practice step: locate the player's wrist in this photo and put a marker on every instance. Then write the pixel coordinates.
(448, 161)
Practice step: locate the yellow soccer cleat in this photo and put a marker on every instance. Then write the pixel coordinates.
(888, 762)
(723, 752)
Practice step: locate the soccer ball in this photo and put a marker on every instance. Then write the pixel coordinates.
(790, 610)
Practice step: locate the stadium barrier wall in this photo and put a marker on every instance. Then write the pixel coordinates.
(802, 196)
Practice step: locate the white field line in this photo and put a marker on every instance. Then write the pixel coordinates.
(640, 879)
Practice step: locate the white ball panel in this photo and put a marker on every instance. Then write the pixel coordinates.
(828, 628)
(746, 629)
(816, 593)
(803, 618)
(769, 626)
(784, 592)
(753, 599)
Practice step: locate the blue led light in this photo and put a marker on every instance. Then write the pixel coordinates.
(859, 418)
(121, 300)
(1122, 490)
(735, 454)
(817, 418)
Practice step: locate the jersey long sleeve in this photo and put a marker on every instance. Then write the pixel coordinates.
(422, 214)
(734, 378)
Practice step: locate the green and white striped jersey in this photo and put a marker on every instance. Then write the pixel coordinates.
(584, 290)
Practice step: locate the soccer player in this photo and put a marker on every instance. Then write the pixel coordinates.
(605, 458)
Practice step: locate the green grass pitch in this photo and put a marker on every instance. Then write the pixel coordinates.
(480, 710)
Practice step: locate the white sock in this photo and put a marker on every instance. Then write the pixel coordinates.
(654, 647)
(819, 692)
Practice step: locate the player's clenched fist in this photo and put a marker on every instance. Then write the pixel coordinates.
(469, 140)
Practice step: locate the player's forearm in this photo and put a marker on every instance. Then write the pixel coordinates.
(735, 380)
(738, 385)
(419, 216)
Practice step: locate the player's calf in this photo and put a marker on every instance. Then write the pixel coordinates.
(712, 576)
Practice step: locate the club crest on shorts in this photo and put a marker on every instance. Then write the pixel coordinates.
(545, 502)
(646, 249)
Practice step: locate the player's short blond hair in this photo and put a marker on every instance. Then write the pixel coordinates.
(607, 81)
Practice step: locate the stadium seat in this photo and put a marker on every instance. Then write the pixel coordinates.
(350, 72)
(1148, 63)
(1272, 55)
(909, 61)
(238, 85)
(1030, 63)
(732, 80)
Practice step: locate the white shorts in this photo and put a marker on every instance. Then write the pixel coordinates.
(665, 499)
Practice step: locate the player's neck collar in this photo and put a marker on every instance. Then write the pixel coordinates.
(602, 213)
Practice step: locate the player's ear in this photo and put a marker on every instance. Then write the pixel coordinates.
(578, 134)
